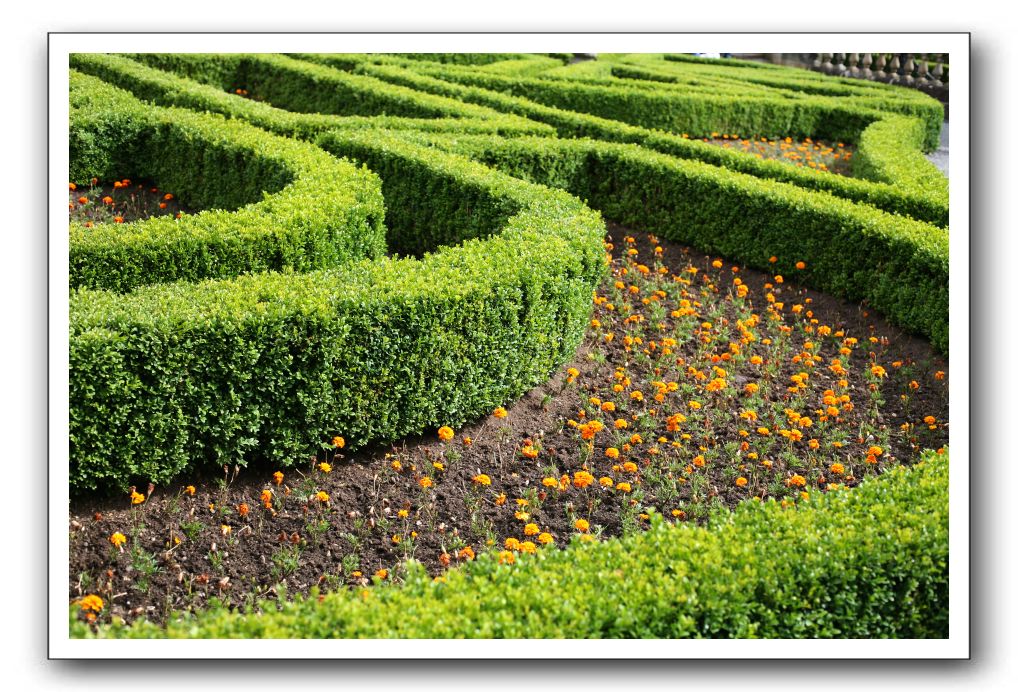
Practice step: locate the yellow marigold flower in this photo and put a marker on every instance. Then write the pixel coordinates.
(445, 433)
(512, 543)
(136, 498)
(621, 423)
(528, 547)
(506, 557)
(382, 573)
(695, 405)
(482, 479)
(612, 453)
(929, 420)
(630, 467)
(322, 496)
(606, 482)
(118, 539)
(763, 431)
(531, 530)
(402, 514)
(573, 372)
(582, 525)
(325, 467)
(500, 412)
(624, 487)
(338, 442)
(545, 538)
(814, 444)
(189, 490)
(549, 482)
(581, 479)
(878, 371)
(797, 481)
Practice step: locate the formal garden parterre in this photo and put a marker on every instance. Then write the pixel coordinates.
(513, 343)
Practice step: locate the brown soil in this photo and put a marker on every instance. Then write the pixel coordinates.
(183, 550)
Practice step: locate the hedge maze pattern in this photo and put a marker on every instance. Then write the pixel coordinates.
(396, 242)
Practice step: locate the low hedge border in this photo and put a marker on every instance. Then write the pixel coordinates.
(304, 87)
(317, 212)
(900, 266)
(906, 200)
(269, 366)
(871, 562)
(698, 113)
(169, 89)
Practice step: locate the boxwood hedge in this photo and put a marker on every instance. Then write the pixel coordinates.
(868, 563)
(268, 366)
(277, 203)
(905, 195)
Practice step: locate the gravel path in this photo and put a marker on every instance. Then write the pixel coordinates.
(939, 157)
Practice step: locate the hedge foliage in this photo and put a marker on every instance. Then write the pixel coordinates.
(900, 266)
(169, 89)
(314, 210)
(268, 366)
(867, 563)
(902, 197)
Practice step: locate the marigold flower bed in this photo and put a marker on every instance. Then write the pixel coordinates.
(719, 406)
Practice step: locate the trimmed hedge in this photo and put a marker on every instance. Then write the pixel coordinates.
(867, 563)
(315, 211)
(270, 366)
(900, 266)
(169, 89)
(907, 200)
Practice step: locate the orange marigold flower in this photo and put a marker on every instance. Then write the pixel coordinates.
(168, 196)
(939, 375)
(322, 496)
(545, 538)
(338, 442)
(531, 530)
(772, 259)
(741, 482)
(243, 509)
(277, 478)
(875, 450)
(266, 498)
(107, 200)
(582, 525)
(797, 481)
(612, 453)
(425, 482)
(382, 573)
(581, 479)
(91, 602)
(445, 433)
(118, 539)
(624, 487)
(878, 371)
(621, 423)
(529, 451)
(800, 265)
(500, 412)
(630, 467)
(189, 490)
(929, 420)
(606, 482)
(837, 468)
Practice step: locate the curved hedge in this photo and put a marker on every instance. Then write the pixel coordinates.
(902, 197)
(268, 366)
(170, 89)
(322, 212)
(867, 563)
(900, 266)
